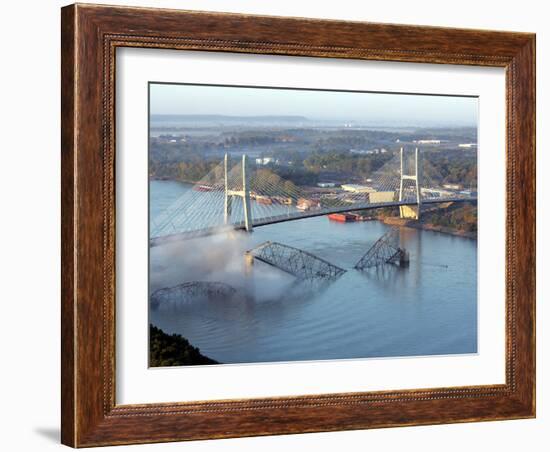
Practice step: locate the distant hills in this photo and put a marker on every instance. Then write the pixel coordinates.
(228, 118)
(208, 120)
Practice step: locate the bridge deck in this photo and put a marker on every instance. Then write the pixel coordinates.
(156, 241)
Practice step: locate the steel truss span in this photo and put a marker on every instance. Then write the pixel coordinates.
(190, 292)
(385, 250)
(296, 262)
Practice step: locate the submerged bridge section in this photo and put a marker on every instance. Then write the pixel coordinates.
(296, 262)
(189, 292)
(384, 251)
(244, 196)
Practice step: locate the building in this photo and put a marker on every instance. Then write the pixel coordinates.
(357, 188)
(307, 204)
(265, 160)
(427, 141)
(381, 196)
(435, 192)
(366, 151)
(452, 186)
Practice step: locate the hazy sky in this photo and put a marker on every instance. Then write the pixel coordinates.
(373, 108)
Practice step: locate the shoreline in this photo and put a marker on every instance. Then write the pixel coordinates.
(179, 181)
(414, 224)
(444, 230)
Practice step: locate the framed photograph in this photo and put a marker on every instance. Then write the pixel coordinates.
(281, 225)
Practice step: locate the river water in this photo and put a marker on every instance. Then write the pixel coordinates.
(426, 309)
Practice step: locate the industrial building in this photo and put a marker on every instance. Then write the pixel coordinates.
(357, 188)
(381, 196)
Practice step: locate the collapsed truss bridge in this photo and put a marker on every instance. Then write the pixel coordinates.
(384, 251)
(296, 262)
(192, 291)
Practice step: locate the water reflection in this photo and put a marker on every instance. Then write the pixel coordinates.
(386, 275)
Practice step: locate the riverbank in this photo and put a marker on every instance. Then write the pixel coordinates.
(171, 179)
(443, 230)
(416, 224)
(173, 350)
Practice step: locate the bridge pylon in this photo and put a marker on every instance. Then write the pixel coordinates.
(243, 193)
(409, 211)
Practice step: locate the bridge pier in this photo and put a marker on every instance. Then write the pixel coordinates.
(404, 258)
(248, 262)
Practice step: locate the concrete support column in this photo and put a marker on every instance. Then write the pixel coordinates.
(248, 262)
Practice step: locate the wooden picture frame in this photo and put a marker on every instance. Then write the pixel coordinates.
(90, 36)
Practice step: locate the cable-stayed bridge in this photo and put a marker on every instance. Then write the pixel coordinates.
(244, 196)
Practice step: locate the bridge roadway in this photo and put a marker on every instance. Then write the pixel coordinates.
(156, 241)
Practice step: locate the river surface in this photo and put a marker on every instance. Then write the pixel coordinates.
(428, 308)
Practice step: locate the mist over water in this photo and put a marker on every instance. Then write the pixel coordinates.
(216, 258)
(425, 309)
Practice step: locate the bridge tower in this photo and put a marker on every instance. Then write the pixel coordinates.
(409, 211)
(243, 193)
